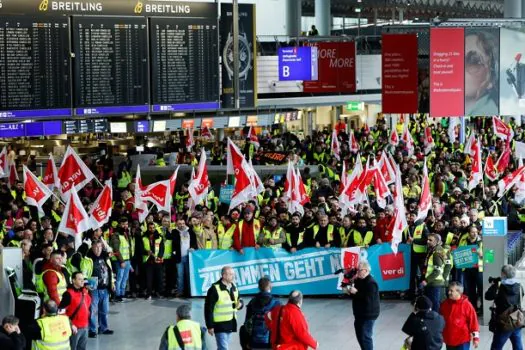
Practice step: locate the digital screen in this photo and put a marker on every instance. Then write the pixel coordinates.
(185, 63)
(159, 126)
(117, 128)
(142, 126)
(111, 65)
(53, 128)
(34, 67)
(35, 129)
(298, 63)
(86, 126)
(234, 122)
(12, 130)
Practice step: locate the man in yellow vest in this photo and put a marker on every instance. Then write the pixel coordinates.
(321, 235)
(433, 281)
(152, 258)
(416, 234)
(294, 234)
(186, 332)
(272, 236)
(169, 266)
(220, 308)
(122, 248)
(361, 236)
(54, 279)
(52, 331)
(225, 233)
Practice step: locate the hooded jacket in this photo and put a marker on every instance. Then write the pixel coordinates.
(291, 332)
(460, 321)
(506, 294)
(426, 328)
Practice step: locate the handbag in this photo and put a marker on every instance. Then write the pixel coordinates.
(513, 318)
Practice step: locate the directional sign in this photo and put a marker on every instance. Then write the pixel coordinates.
(298, 63)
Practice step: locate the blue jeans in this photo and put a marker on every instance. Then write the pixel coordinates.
(363, 333)
(500, 338)
(122, 278)
(465, 346)
(99, 310)
(182, 269)
(434, 294)
(222, 340)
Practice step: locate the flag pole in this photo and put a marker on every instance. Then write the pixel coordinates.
(57, 197)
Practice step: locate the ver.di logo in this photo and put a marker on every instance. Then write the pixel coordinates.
(138, 7)
(43, 5)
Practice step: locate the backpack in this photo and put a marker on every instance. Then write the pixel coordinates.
(255, 325)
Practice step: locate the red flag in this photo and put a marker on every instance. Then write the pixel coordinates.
(254, 140)
(336, 148)
(198, 187)
(50, 178)
(206, 133)
(242, 190)
(354, 145)
(502, 130)
(158, 193)
(386, 169)
(477, 167)
(429, 141)
(100, 212)
(348, 197)
(36, 192)
(344, 179)
(490, 169)
(468, 145)
(425, 201)
(75, 220)
(303, 197)
(173, 180)
(257, 185)
(3, 162)
(510, 180)
(288, 182)
(394, 138)
(73, 173)
(399, 223)
(407, 139)
(381, 189)
(503, 160)
(13, 174)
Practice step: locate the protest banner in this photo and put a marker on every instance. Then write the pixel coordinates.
(465, 257)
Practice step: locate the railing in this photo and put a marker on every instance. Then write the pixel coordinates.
(515, 246)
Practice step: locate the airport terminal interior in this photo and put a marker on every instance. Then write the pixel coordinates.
(262, 174)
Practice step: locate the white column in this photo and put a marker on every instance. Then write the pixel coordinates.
(512, 9)
(293, 17)
(323, 17)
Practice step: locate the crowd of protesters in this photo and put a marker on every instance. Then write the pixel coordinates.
(128, 258)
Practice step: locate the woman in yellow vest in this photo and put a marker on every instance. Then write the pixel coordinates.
(206, 236)
(53, 330)
(186, 331)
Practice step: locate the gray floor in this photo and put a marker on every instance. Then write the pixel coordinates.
(139, 324)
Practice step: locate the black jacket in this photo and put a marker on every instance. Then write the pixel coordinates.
(211, 299)
(504, 295)
(13, 341)
(426, 328)
(365, 302)
(175, 234)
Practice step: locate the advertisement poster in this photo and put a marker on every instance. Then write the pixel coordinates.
(247, 54)
(447, 65)
(315, 271)
(337, 68)
(399, 73)
(481, 71)
(512, 72)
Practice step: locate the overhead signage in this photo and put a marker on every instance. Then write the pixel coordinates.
(142, 126)
(494, 226)
(355, 106)
(298, 63)
(8, 130)
(108, 7)
(399, 73)
(207, 123)
(336, 68)
(85, 126)
(447, 72)
(188, 123)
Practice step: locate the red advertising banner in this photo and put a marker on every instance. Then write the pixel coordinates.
(336, 68)
(447, 72)
(399, 73)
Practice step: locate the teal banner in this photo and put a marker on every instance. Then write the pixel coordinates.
(465, 257)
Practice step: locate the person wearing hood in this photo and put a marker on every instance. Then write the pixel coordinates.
(254, 333)
(505, 294)
(461, 321)
(424, 326)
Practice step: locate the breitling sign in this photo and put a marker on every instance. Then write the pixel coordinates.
(109, 7)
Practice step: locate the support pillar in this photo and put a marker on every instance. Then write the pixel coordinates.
(293, 18)
(323, 17)
(401, 13)
(512, 9)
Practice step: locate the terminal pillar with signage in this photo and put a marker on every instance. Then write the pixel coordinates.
(494, 231)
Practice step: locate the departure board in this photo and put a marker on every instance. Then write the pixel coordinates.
(184, 64)
(86, 126)
(34, 67)
(111, 65)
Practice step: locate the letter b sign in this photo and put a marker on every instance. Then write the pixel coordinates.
(286, 71)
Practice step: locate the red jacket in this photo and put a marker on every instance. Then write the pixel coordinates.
(381, 229)
(248, 238)
(460, 321)
(294, 334)
(71, 301)
(51, 281)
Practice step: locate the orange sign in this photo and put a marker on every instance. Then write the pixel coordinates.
(188, 123)
(207, 122)
(252, 120)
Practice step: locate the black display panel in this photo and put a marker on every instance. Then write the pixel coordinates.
(184, 63)
(35, 69)
(111, 65)
(85, 126)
